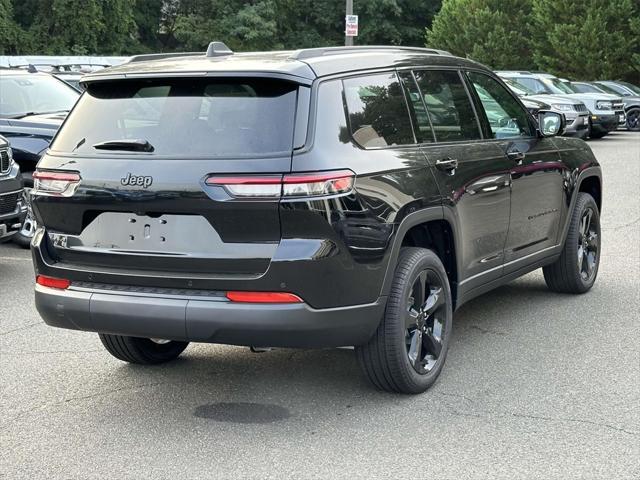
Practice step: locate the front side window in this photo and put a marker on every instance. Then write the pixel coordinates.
(378, 114)
(204, 117)
(506, 118)
(448, 105)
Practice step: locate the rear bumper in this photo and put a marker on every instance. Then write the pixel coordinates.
(211, 319)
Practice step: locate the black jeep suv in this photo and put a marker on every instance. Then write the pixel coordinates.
(313, 198)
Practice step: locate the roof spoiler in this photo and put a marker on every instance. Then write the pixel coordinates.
(215, 49)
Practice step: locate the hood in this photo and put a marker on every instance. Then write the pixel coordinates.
(534, 103)
(48, 121)
(595, 97)
(559, 99)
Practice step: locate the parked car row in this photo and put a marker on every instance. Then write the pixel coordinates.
(592, 109)
(36, 93)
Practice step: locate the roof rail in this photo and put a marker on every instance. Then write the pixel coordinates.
(161, 56)
(522, 72)
(218, 49)
(307, 53)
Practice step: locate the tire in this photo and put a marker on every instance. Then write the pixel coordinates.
(142, 351)
(597, 135)
(633, 119)
(409, 329)
(577, 268)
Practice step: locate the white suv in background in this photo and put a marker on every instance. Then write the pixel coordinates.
(607, 111)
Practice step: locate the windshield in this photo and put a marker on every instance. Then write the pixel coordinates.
(203, 117)
(30, 94)
(557, 86)
(518, 88)
(613, 89)
(631, 87)
(586, 88)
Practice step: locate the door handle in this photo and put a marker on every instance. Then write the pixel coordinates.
(489, 184)
(516, 156)
(447, 165)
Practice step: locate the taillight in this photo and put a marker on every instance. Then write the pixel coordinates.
(52, 282)
(249, 186)
(317, 184)
(294, 185)
(62, 184)
(263, 297)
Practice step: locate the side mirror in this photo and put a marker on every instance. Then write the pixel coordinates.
(551, 124)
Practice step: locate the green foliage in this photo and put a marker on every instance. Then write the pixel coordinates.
(494, 32)
(578, 39)
(582, 39)
(587, 39)
(8, 28)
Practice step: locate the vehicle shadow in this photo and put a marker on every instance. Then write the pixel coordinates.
(231, 382)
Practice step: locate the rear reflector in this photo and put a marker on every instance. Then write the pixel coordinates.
(62, 184)
(263, 297)
(52, 282)
(295, 185)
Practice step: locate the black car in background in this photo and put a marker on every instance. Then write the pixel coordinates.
(12, 202)
(33, 105)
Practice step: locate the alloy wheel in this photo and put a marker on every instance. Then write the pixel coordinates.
(588, 246)
(633, 119)
(425, 320)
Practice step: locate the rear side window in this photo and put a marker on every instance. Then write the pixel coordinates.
(378, 115)
(448, 104)
(423, 131)
(202, 117)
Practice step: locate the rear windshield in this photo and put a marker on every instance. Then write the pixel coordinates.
(201, 117)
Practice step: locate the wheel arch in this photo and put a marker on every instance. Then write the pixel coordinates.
(593, 186)
(429, 228)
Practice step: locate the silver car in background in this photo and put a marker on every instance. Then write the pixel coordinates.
(607, 111)
(576, 112)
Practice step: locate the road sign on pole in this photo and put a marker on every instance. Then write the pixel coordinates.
(348, 39)
(351, 26)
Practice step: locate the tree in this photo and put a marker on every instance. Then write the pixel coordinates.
(494, 32)
(587, 39)
(8, 28)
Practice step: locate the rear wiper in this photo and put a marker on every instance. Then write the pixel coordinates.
(128, 145)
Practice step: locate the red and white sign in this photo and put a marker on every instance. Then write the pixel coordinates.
(351, 29)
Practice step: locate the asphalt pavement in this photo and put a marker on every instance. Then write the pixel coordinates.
(537, 385)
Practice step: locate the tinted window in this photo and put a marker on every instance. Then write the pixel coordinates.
(448, 104)
(507, 119)
(419, 113)
(378, 114)
(186, 117)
